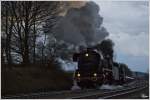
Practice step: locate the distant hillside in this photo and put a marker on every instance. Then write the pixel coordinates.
(140, 74)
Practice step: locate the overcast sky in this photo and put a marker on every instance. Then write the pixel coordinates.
(127, 22)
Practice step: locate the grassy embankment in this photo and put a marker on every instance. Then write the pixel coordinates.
(35, 78)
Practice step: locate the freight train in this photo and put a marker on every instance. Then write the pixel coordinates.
(94, 69)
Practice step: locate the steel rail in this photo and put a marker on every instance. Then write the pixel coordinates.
(123, 93)
(81, 93)
(104, 93)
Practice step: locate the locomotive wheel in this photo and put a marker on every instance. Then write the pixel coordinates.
(98, 84)
(81, 85)
(87, 84)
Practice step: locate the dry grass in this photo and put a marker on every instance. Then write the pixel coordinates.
(33, 79)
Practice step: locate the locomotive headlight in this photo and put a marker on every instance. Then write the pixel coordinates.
(86, 54)
(95, 74)
(78, 74)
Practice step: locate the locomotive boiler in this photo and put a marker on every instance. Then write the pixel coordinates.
(94, 69)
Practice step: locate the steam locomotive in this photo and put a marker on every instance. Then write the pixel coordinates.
(95, 70)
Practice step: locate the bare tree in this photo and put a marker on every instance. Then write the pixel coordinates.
(23, 21)
(7, 33)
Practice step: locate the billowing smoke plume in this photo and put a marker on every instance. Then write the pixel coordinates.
(81, 25)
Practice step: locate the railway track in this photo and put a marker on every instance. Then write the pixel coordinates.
(111, 94)
(118, 94)
(82, 94)
(123, 93)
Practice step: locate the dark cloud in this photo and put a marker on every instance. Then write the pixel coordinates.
(81, 25)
